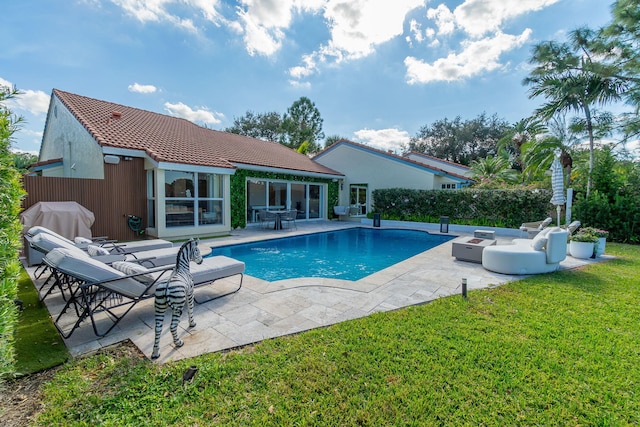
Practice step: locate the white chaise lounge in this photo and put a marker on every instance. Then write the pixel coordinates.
(90, 287)
(542, 254)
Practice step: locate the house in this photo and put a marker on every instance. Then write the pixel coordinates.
(180, 178)
(366, 169)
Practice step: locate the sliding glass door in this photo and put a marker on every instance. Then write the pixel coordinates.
(278, 195)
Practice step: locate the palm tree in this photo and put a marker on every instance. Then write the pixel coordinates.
(494, 169)
(538, 153)
(564, 75)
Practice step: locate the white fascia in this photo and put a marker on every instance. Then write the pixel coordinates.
(126, 152)
(287, 171)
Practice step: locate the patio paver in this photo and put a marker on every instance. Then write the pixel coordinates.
(262, 310)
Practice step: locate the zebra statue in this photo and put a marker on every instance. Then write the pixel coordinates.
(174, 293)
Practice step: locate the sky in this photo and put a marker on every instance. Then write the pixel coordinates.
(377, 70)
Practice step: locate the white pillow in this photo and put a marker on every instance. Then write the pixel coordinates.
(538, 244)
(129, 268)
(82, 240)
(94, 250)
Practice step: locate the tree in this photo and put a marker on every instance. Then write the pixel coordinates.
(538, 153)
(566, 76)
(332, 140)
(22, 161)
(302, 122)
(264, 126)
(10, 228)
(458, 141)
(494, 170)
(618, 45)
(520, 133)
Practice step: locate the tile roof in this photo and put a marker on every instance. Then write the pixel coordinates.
(170, 139)
(393, 156)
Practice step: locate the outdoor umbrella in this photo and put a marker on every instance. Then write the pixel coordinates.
(557, 185)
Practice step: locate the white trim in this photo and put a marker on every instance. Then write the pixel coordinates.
(167, 165)
(246, 166)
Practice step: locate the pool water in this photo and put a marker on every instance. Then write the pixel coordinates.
(349, 254)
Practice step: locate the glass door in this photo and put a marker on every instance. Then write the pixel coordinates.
(358, 199)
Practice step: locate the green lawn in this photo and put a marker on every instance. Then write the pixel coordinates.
(558, 349)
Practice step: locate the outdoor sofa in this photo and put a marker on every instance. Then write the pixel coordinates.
(542, 254)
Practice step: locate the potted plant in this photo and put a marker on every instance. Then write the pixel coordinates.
(582, 244)
(602, 239)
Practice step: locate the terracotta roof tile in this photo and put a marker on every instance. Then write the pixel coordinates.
(174, 140)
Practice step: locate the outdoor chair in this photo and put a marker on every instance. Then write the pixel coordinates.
(341, 211)
(542, 254)
(113, 246)
(289, 217)
(104, 294)
(97, 291)
(267, 218)
(533, 228)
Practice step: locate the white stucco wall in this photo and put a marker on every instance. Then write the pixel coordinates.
(66, 138)
(376, 170)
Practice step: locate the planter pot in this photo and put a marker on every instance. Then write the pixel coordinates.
(601, 245)
(581, 249)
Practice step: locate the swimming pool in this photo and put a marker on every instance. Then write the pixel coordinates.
(349, 254)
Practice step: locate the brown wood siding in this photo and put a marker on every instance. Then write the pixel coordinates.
(122, 192)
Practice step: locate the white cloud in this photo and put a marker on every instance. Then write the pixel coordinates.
(476, 57)
(445, 20)
(357, 27)
(138, 88)
(201, 114)
(33, 101)
(156, 11)
(384, 139)
(478, 17)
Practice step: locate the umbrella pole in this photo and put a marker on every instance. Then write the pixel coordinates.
(558, 210)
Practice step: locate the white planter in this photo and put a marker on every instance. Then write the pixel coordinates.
(581, 249)
(601, 245)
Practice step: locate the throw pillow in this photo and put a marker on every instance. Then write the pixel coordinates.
(82, 241)
(130, 268)
(538, 244)
(94, 250)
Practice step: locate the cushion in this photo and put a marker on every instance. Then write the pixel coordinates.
(130, 268)
(82, 240)
(94, 250)
(538, 244)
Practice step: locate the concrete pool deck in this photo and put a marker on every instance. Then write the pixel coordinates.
(262, 310)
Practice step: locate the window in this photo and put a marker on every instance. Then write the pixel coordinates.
(193, 199)
(358, 199)
(448, 186)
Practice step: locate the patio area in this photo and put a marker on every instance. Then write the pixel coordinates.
(263, 310)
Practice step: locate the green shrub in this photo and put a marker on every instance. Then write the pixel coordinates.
(498, 208)
(11, 194)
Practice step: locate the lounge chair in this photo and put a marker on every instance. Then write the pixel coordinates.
(104, 294)
(112, 246)
(45, 242)
(533, 228)
(542, 254)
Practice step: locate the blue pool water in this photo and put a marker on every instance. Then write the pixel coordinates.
(349, 254)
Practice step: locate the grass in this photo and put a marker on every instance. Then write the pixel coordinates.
(558, 349)
(38, 345)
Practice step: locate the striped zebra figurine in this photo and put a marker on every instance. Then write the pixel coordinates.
(175, 292)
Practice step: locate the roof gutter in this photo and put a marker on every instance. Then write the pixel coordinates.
(247, 166)
(125, 152)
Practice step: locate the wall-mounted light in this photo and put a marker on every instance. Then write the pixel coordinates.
(112, 160)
